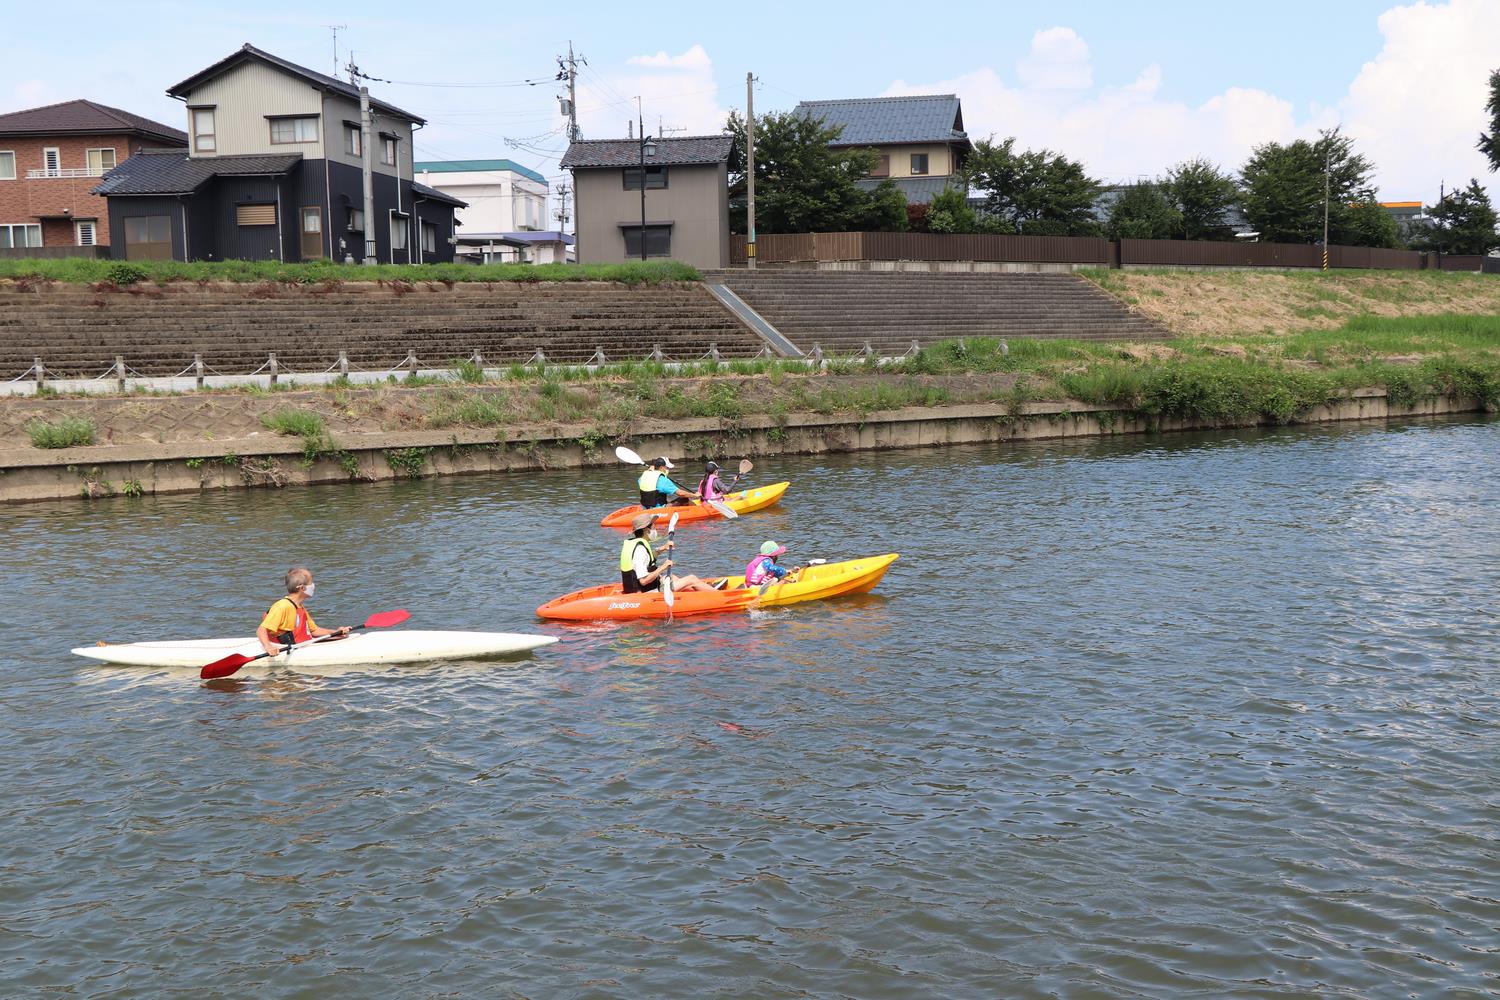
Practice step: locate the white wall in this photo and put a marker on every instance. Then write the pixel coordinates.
(500, 201)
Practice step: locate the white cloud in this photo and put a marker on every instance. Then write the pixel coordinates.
(1415, 109)
(1058, 60)
(677, 92)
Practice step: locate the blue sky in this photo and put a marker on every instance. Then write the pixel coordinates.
(1129, 88)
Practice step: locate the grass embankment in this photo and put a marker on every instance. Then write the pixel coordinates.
(1221, 382)
(1226, 303)
(81, 271)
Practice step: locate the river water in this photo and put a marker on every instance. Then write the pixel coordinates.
(1202, 715)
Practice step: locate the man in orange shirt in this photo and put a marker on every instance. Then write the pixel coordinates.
(287, 621)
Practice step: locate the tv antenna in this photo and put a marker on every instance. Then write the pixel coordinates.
(336, 28)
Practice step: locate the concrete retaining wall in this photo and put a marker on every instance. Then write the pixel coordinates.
(189, 466)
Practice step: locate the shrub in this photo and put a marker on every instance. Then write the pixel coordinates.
(122, 272)
(66, 433)
(294, 423)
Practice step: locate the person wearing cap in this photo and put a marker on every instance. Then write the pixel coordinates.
(659, 491)
(639, 570)
(711, 488)
(765, 567)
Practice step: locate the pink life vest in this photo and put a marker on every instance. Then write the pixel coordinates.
(755, 572)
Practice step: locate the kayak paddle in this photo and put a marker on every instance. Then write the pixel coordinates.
(627, 456)
(231, 663)
(768, 584)
(666, 578)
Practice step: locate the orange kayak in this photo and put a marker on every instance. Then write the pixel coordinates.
(742, 502)
(610, 603)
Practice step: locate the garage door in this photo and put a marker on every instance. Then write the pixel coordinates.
(148, 237)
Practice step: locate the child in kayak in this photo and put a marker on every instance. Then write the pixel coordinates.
(711, 487)
(657, 490)
(639, 570)
(287, 621)
(765, 567)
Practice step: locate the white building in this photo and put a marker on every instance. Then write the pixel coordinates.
(506, 213)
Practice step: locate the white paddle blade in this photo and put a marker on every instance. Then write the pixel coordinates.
(746, 467)
(627, 456)
(672, 524)
(724, 509)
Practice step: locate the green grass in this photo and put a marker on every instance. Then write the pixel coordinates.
(83, 271)
(294, 423)
(69, 432)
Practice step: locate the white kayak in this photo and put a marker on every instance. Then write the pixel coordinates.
(402, 646)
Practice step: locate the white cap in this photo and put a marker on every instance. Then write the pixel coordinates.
(668, 461)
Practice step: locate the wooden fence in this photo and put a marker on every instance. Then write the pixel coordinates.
(824, 248)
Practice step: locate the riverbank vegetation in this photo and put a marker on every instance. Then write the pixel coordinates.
(78, 270)
(1235, 303)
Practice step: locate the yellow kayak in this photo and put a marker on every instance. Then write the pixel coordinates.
(814, 583)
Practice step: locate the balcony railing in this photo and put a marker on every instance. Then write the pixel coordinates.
(32, 175)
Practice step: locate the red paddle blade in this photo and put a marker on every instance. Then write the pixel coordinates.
(224, 667)
(387, 618)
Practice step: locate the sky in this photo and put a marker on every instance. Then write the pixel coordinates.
(1129, 89)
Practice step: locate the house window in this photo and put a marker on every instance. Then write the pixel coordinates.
(100, 160)
(52, 161)
(148, 237)
(918, 164)
(388, 151)
(287, 130)
(255, 215)
(658, 241)
(85, 233)
(351, 140)
(356, 220)
(7, 165)
(398, 231)
(429, 238)
(656, 177)
(882, 166)
(204, 137)
(21, 234)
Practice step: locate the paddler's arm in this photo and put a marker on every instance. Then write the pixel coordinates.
(657, 573)
(267, 640)
(319, 632)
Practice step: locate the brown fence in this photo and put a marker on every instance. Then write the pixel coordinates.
(52, 253)
(811, 248)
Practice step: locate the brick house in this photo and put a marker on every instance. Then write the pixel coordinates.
(52, 157)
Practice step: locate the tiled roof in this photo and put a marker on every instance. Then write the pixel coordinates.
(671, 151)
(877, 121)
(322, 81)
(433, 194)
(918, 190)
(476, 167)
(84, 117)
(172, 171)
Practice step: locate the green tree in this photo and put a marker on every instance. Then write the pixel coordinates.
(1144, 212)
(1203, 196)
(802, 185)
(950, 212)
(1366, 224)
(1033, 191)
(1489, 142)
(1463, 222)
(1283, 190)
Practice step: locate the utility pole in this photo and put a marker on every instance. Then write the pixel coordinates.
(640, 115)
(750, 170)
(562, 211)
(567, 69)
(366, 131)
(1327, 161)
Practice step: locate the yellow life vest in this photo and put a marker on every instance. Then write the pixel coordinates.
(627, 554)
(647, 482)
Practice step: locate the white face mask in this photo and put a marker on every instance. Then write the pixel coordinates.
(307, 591)
(653, 534)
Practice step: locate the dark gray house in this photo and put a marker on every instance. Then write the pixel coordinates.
(273, 172)
(920, 139)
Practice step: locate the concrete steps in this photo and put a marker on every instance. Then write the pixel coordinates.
(841, 311)
(78, 330)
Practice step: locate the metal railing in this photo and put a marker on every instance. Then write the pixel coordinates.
(66, 172)
(121, 378)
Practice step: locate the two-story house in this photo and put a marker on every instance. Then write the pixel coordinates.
(52, 157)
(273, 171)
(505, 218)
(685, 200)
(920, 140)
